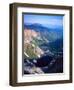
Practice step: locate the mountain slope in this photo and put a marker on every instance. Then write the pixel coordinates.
(44, 32)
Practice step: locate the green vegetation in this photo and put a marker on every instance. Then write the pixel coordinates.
(37, 42)
(31, 53)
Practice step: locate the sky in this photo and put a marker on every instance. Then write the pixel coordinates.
(50, 21)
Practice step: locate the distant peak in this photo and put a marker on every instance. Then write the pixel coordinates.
(38, 24)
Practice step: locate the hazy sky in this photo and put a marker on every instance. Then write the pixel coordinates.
(51, 21)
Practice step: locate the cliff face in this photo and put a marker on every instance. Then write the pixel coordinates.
(30, 46)
(28, 33)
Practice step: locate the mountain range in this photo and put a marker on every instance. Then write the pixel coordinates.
(43, 49)
(49, 33)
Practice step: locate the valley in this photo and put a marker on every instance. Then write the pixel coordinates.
(43, 50)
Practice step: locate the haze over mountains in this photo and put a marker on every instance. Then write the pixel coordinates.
(49, 33)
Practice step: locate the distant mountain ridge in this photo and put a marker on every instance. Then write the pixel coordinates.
(36, 27)
(49, 33)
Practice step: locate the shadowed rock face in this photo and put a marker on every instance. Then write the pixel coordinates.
(43, 61)
(45, 64)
